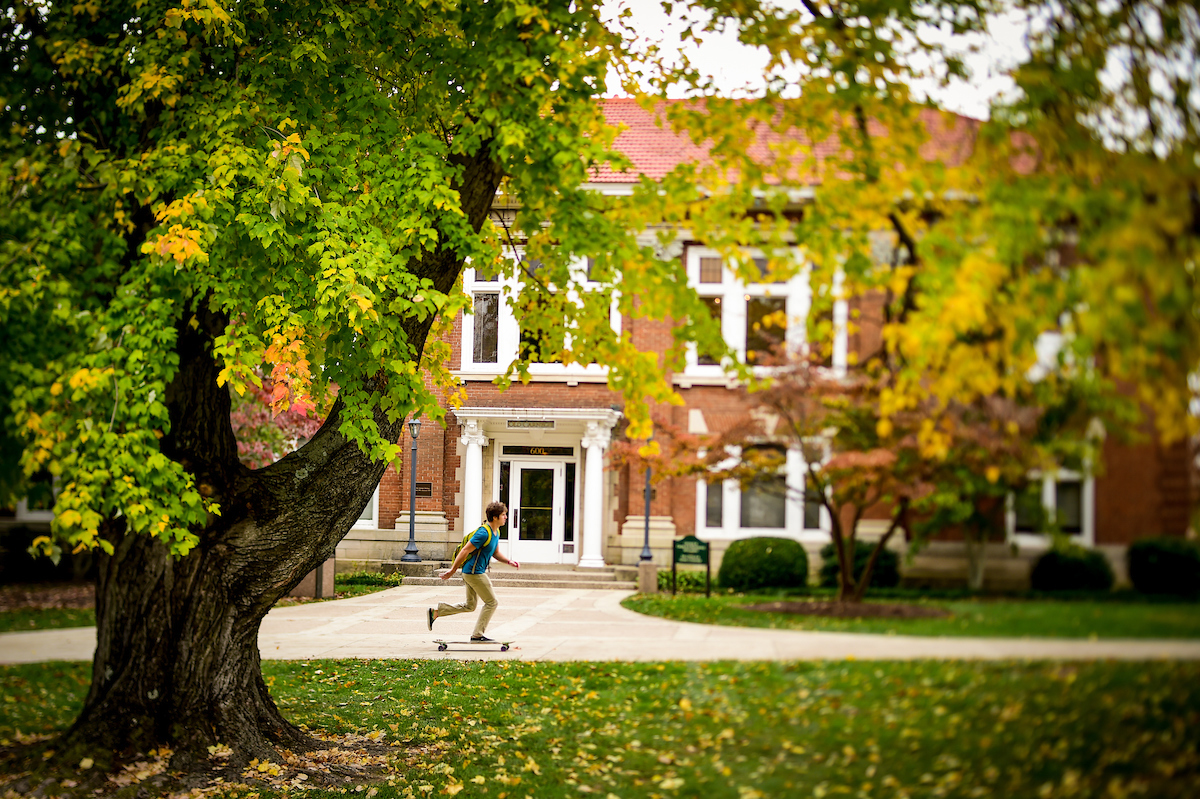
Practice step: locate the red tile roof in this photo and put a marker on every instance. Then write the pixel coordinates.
(655, 149)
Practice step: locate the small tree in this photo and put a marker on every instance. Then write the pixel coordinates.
(952, 463)
(850, 466)
(992, 451)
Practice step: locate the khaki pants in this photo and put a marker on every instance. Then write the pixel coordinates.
(479, 586)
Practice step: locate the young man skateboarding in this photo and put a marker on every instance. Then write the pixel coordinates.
(474, 558)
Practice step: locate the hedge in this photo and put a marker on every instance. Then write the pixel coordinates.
(751, 564)
(1165, 566)
(1073, 569)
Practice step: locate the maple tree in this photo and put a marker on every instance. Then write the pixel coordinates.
(198, 191)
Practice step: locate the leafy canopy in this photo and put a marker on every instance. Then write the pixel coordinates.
(303, 174)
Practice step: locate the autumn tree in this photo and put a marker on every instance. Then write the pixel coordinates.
(1063, 228)
(196, 192)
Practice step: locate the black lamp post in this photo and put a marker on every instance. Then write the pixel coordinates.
(646, 555)
(410, 551)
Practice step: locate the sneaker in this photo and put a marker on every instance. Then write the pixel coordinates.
(430, 616)
(479, 639)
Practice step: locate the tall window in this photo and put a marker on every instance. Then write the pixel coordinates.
(1029, 515)
(764, 504)
(540, 343)
(812, 505)
(713, 304)
(766, 327)
(714, 504)
(487, 327)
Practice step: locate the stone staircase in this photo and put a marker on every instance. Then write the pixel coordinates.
(532, 575)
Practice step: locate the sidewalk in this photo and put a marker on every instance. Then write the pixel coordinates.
(581, 624)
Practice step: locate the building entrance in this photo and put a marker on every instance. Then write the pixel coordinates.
(541, 498)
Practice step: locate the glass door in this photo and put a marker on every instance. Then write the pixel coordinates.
(536, 499)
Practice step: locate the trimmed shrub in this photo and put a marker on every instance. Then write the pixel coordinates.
(368, 578)
(1073, 569)
(687, 582)
(886, 573)
(1164, 566)
(753, 563)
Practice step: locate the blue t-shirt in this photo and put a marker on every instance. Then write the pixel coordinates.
(485, 542)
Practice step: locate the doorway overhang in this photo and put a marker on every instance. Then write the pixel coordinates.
(494, 421)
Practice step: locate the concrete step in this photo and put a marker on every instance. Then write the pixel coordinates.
(591, 575)
(541, 575)
(517, 582)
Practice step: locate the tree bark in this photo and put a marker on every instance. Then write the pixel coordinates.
(177, 660)
(976, 559)
(864, 579)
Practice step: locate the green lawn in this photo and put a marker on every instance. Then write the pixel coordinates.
(1074, 618)
(346, 585)
(13, 621)
(507, 729)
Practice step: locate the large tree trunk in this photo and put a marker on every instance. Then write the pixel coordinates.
(177, 660)
(976, 544)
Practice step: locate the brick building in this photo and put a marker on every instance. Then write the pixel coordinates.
(541, 447)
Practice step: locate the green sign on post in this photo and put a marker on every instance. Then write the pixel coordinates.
(691, 549)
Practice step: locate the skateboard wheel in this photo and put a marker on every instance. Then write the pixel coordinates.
(441, 647)
(504, 647)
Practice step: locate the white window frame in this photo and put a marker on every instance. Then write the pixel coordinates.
(1087, 534)
(508, 334)
(731, 507)
(735, 295)
(24, 514)
(373, 522)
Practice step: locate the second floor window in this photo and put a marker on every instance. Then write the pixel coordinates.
(494, 333)
(755, 317)
(487, 327)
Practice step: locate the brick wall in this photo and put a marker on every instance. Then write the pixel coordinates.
(1145, 490)
(448, 486)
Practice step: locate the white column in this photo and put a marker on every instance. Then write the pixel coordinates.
(473, 439)
(594, 442)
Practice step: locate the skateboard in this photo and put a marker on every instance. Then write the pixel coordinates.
(504, 645)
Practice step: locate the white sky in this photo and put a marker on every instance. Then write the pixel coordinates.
(738, 68)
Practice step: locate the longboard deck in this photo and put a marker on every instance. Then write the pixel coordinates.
(504, 645)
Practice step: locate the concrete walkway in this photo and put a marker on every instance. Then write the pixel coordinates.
(581, 624)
